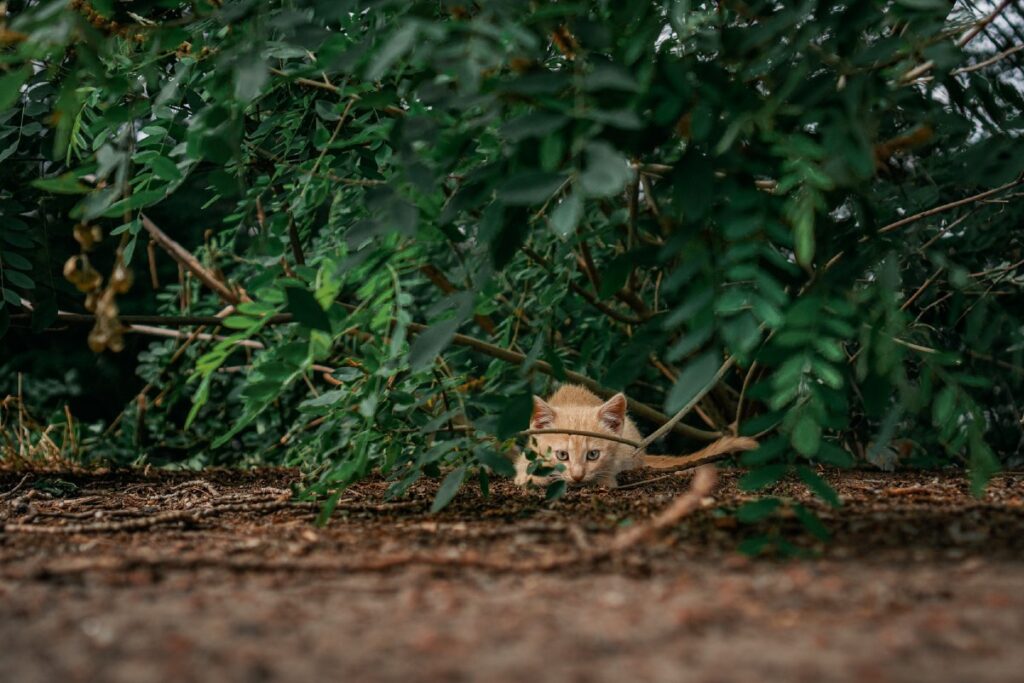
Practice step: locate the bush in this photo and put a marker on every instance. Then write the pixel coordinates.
(457, 204)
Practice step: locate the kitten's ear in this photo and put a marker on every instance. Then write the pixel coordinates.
(612, 414)
(543, 414)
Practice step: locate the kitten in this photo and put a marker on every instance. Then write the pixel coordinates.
(588, 460)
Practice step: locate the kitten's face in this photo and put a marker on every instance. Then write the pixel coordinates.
(583, 459)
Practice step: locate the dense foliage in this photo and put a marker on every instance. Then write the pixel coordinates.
(459, 204)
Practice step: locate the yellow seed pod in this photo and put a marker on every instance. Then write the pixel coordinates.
(121, 278)
(79, 272)
(116, 341)
(90, 301)
(97, 339)
(72, 271)
(87, 235)
(106, 307)
(91, 280)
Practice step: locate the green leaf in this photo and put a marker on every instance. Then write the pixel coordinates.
(328, 398)
(811, 522)
(328, 508)
(45, 312)
(803, 228)
(610, 77)
(753, 547)
(62, 184)
(164, 168)
(806, 435)
(532, 187)
(400, 42)
(693, 185)
(306, 309)
(532, 125)
(238, 322)
(139, 200)
(328, 111)
(10, 86)
(831, 454)
(819, 486)
(9, 259)
(250, 75)
(449, 487)
(943, 407)
(552, 150)
(615, 274)
(694, 377)
(10, 296)
(756, 510)
(625, 119)
(761, 477)
(555, 490)
(431, 342)
(19, 279)
(606, 171)
(982, 465)
(932, 5)
(566, 215)
(498, 463)
(515, 415)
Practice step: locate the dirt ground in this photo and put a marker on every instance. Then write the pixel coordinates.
(222, 579)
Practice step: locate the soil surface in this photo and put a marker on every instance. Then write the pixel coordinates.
(182, 577)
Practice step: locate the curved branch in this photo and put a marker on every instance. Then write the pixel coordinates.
(674, 420)
(582, 432)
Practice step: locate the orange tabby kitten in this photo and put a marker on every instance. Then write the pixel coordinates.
(592, 460)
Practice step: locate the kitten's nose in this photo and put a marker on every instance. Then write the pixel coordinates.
(576, 476)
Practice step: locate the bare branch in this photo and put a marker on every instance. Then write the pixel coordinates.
(184, 257)
(896, 225)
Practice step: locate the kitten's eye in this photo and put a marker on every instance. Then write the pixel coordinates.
(593, 455)
(562, 455)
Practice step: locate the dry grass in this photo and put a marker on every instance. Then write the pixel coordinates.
(27, 442)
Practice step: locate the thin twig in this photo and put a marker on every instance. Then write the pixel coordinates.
(916, 72)
(175, 334)
(668, 425)
(896, 225)
(988, 62)
(920, 290)
(185, 258)
(743, 394)
(583, 432)
(320, 85)
(21, 483)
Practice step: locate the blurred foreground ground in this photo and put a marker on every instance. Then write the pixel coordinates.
(921, 582)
